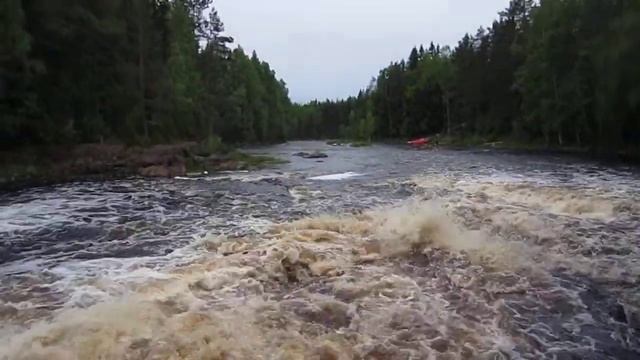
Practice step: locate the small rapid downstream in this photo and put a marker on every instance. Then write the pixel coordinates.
(373, 253)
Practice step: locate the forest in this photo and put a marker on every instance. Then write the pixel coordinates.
(559, 73)
(133, 72)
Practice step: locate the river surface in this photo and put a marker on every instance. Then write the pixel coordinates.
(372, 253)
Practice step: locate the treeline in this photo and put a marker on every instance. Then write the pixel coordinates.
(133, 71)
(557, 72)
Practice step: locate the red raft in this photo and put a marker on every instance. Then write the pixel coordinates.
(419, 142)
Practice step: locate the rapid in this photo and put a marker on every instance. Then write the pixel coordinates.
(373, 253)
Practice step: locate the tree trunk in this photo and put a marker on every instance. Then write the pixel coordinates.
(546, 136)
(560, 142)
(557, 100)
(448, 116)
(141, 75)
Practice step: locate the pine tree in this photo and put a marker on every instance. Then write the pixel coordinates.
(414, 58)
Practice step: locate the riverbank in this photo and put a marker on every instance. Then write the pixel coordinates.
(466, 143)
(48, 165)
(36, 166)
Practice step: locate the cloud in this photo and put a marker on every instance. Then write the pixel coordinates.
(332, 48)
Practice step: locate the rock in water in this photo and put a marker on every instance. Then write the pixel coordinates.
(313, 155)
(618, 314)
(178, 169)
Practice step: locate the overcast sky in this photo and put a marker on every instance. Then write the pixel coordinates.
(328, 49)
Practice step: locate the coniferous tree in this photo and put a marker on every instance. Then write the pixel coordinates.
(133, 71)
(559, 73)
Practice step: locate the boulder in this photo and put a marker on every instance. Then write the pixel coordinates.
(313, 155)
(177, 169)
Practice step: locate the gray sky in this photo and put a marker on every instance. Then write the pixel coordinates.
(332, 48)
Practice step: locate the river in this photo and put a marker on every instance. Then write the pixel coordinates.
(372, 253)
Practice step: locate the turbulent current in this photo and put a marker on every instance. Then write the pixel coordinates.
(372, 253)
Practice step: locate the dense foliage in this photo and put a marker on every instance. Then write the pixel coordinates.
(557, 72)
(135, 71)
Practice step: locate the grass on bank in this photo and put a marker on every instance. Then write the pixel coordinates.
(232, 161)
(43, 165)
(213, 155)
(255, 160)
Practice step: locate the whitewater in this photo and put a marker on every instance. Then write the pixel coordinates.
(372, 253)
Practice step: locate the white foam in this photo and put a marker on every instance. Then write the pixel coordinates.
(21, 267)
(34, 214)
(245, 176)
(341, 176)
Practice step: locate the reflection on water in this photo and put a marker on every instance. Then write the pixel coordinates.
(423, 255)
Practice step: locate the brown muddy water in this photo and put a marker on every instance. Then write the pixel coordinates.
(373, 253)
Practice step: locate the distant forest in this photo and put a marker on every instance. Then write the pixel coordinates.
(554, 72)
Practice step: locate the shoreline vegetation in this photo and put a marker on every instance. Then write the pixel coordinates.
(51, 165)
(508, 144)
(140, 73)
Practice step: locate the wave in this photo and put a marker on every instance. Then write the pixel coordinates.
(324, 287)
(489, 270)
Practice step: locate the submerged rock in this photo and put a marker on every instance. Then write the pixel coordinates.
(313, 155)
